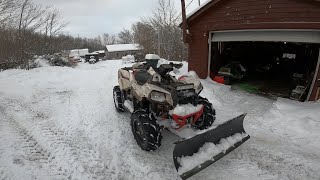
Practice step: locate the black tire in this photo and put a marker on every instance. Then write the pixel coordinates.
(208, 116)
(117, 99)
(146, 130)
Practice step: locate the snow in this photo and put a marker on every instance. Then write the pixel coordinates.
(79, 52)
(61, 123)
(208, 151)
(128, 105)
(185, 109)
(128, 59)
(198, 8)
(152, 56)
(41, 62)
(123, 47)
(100, 52)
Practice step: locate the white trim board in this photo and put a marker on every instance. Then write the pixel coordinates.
(314, 78)
(303, 36)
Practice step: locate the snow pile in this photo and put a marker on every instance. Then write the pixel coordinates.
(41, 62)
(208, 151)
(299, 120)
(186, 109)
(163, 61)
(128, 105)
(128, 59)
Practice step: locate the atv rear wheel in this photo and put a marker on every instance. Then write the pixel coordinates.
(117, 99)
(208, 116)
(146, 130)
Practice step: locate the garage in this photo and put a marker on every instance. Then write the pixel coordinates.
(273, 63)
(267, 47)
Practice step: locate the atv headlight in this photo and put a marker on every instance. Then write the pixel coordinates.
(158, 96)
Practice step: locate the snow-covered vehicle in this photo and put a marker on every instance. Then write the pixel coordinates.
(158, 100)
(232, 71)
(92, 60)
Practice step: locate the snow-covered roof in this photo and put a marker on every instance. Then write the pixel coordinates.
(123, 47)
(152, 56)
(80, 52)
(93, 53)
(198, 8)
(100, 51)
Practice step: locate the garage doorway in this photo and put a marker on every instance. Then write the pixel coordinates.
(274, 64)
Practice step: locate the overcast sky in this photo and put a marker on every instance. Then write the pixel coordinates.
(90, 18)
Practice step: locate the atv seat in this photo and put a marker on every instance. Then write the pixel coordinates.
(142, 76)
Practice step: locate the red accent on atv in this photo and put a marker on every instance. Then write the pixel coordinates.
(219, 79)
(183, 120)
(182, 78)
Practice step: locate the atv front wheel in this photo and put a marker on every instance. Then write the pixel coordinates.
(208, 116)
(117, 99)
(146, 130)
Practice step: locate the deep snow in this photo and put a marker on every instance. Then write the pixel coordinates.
(60, 122)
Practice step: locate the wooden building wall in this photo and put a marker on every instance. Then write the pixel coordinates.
(243, 15)
(247, 14)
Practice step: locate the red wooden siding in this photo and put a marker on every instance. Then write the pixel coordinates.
(247, 14)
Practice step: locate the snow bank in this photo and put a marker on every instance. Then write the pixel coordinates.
(41, 62)
(208, 151)
(128, 59)
(185, 109)
(299, 120)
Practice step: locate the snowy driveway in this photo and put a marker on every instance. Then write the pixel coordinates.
(60, 123)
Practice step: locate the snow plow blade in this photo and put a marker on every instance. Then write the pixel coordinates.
(190, 146)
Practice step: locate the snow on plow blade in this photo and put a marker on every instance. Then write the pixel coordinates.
(192, 155)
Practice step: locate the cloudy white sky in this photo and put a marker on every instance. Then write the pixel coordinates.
(89, 18)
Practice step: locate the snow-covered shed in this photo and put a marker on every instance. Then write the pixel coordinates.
(276, 41)
(102, 53)
(117, 51)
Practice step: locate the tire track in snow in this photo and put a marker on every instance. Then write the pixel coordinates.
(77, 158)
(4, 172)
(29, 151)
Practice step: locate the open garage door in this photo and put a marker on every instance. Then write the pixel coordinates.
(267, 36)
(277, 63)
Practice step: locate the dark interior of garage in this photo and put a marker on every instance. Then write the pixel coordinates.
(274, 69)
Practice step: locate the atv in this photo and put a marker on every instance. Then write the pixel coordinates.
(157, 101)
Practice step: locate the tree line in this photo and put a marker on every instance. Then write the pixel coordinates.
(159, 33)
(28, 29)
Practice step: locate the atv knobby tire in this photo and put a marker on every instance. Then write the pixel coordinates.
(146, 130)
(117, 99)
(208, 116)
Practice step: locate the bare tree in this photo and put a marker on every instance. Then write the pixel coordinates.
(125, 37)
(6, 9)
(30, 21)
(53, 26)
(160, 33)
(143, 34)
(108, 39)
